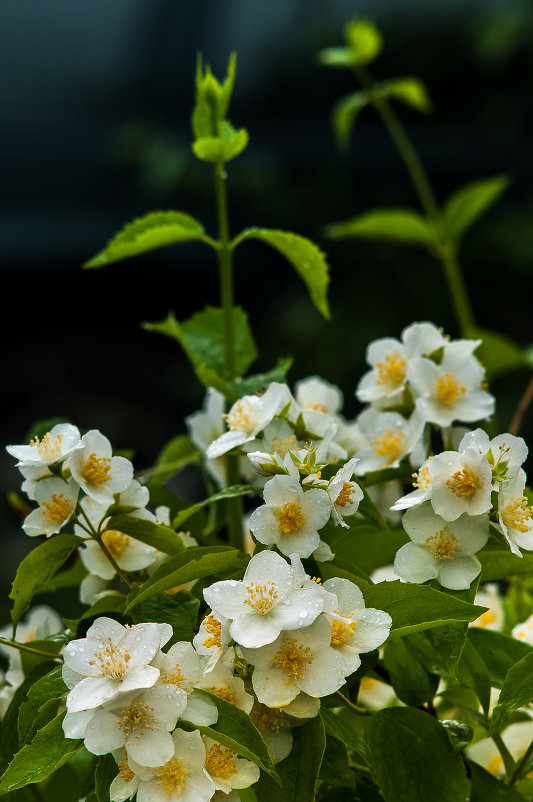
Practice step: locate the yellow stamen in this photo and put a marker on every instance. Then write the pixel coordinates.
(392, 370)
(113, 660)
(291, 517)
(267, 718)
(115, 542)
(344, 496)
(422, 479)
(214, 629)
(49, 447)
(449, 388)
(443, 545)
(282, 447)
(342, 631)
(463, 483)
(243, 416)
(56, 510)
(261, 598)
(314, 405)
(220, 762)
(292, 658)
(96, 469)
(390, 444)
(222, 693)
(125, 772)
(136, 717)
(517, 515)
(172, 776)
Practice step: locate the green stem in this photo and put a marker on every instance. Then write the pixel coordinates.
(98, 537)
(508, 760)
(234, 506)
(23, 648)
(515, 776)
(361, 711)
(421, 183)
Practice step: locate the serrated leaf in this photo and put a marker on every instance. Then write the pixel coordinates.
(259, 381)
(400, 740)
(306, 258)
(498, 353)
(49, 688)
(36, 761)
(344, 115)
(418, 607)
(499, 652)
(235, 730)
(402, 226)
(409, 90)
(517, 692)
(228, 492)
(36, 569)
(221, 148)
(154, 230)
(159, 536)
(172, 458)
(299, 771)
(365, 42)
(192, 564)
(179, 610)
(467, 204)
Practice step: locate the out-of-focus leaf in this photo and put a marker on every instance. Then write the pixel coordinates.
(467, 204)
(402, 226)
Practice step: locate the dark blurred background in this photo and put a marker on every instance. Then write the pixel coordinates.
(95, 106)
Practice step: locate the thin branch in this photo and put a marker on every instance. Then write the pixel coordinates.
(361, 711)
(521, 409)
(24, 648)
(515, 776)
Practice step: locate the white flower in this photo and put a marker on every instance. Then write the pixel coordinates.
(390, 436)
(249, 416)
(126, 783)
(226, 770)
(460, 482)
(319, 395)
(212, 639)
(349, 436)
(95, 469)
(298, 660)
(141, 722)
(450, 390)
(57, 504)
(375, 694)
(221, 682)
(441, 549)
(524, 631)
(265, 602)
(290, 518)
(93, 588)
(423, 339)
(344, 494)
(505, 453)
(515, 514)
(181, 667)
(56, 444)
(39, 624)
(207, 425)
(422, 483)
(489, 596)
(355, 628)
(180, 779)
(516, 738)
(111, 660)
(388, 360)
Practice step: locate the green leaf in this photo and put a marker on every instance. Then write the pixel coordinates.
(344, 114)
(154, 230)
(234, 729)
(106, 771)
(409, 90)
(499, 652)
(306, 258)
(401, 739)
(221, 148)
(157, 535)
(38, 568)
(191, 564)
(69, 578)
(9, 741)
(338, 568)
(299, 771)
(49, 688)
(488, 788)
(335, 57)
(202, 338)
(228, 492)
(467, 204)
(498, 353)
(339, 728)
(113, 604)
(402, 226)
(410, 680)
(42, 427)
(371, 511)
(177, 453)
(517, 691)
(477, 674)
(335, 769)
(418, 607)
(368, 546)
(179, 610)
(364, 41)
(36, 761)
(260, 381)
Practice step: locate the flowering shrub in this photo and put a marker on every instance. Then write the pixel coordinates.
(327, 652)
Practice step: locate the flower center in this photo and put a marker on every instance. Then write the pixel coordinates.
(261, 598)
(291, 517)
(96, 469)
(267, 718)
(213, 628)
(344, 496)
(342, 631)
(222, 693)
(113, 661)
(282, 447)
(176, 677)
(49, 447)
(422, 479)
(449, 388)
(390, 444)
(115, 542)
(136, 717)
(517, 515)
(243, 416)
(56, 510)
(220, 762)
(172, 776)
(314, 405)
(292, 657)
(443, 545)
(463, 483)
(125, 772)
(392, 370)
